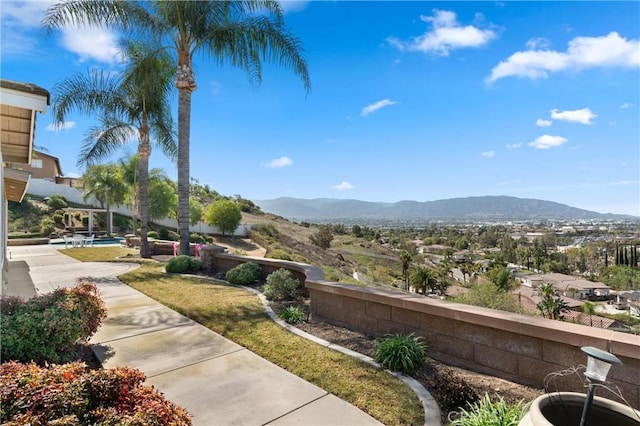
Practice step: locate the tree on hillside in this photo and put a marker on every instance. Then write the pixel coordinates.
(422, 279)
(501, 277)
(239, 33)
(196, 211)
(134, 102)
(405, 261)
(163, 199)
(104, 182)
(323, 237)
(225, 215)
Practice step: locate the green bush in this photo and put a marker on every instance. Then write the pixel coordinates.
(152, 234)
(163, 233)
(70, 394)
(57, 218)
(279, 254)
(197, 238)
(485, 412)
(173, 236)
(183, 264)
(47, 226)
(57, 202)
(451, 391)
(280, 285)
(45, 328)
(243, 274)
(398, 352)
(292, 315)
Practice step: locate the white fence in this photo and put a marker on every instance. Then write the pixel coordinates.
(46, 188)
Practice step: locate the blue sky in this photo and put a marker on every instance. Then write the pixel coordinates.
(410, 101)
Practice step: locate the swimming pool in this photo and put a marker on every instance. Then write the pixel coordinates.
(96, 241)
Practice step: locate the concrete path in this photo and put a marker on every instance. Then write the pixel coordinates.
(216, 380)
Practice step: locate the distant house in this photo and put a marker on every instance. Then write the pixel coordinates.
(629, 300)
(570, 286)
(43, 166)
(19, 104)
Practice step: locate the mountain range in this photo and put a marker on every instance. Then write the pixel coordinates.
(486, 208)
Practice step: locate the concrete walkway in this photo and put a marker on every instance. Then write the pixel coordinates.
(216, 380)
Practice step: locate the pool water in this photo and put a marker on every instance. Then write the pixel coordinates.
(96, 241)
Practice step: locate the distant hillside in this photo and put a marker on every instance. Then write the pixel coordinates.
(458, 209)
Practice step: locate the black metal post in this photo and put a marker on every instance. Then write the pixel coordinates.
(587, 404)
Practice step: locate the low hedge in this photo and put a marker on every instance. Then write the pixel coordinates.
(45, 328)
(70, 394)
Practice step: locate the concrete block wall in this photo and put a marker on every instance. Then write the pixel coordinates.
(519, 348)
(515, 347)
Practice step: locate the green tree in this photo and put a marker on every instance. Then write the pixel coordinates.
(135, 102)
(323, 237)
(225, 215)
(501, 277)
(422, 279)
(163, 199)
(405, 261)
(196, 211)
(488, 295)
(240, 33)
(104, 182)
(552, 305)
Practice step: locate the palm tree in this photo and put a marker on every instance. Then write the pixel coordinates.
(405, 259)
(551, 306)
(422, 279)
(236, 32)
(104, 182)
(135, 101)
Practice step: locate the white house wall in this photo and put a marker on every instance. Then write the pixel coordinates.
(45, 188)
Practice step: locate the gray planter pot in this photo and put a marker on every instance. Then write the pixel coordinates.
(565, 409)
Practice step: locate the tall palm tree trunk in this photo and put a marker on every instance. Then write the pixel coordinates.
(185, 82)
(144, 152)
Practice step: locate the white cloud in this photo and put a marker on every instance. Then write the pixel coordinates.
(446, 35)
(376, 106)
(624, 183)
(92, 43)
(488, 154)
(538, 43)
(56, 127)
(547, 142)
(543, 123)
(626, 105)
(20, 24)
(279, 163)
(610, 51)
(582, 116)
(514, 145)
(343, 186)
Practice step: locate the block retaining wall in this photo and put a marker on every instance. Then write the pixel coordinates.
(514, 347)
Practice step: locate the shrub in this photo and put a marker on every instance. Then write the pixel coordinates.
(451, 391)
(323, 237)
(243, 274)
(279, 254)
(292, 315)
(398, 352)
(69, 394)
(152, 234)
(45, 328)
(173, 236)
(183, 264)
(197, 238)
(163, 233)
(57, 218)
(47, 226)
(280, 285)
(57, 202)
(485, 412)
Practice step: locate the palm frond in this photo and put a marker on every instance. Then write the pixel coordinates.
(101, 141)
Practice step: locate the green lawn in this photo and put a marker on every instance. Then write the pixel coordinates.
(239, 315)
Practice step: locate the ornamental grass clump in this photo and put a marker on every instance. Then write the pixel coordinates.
(243, 274)
(404, 353)
(292, 315)
(486, 412)
(45, 328)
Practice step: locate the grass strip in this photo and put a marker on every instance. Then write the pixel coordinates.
(238, 315)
